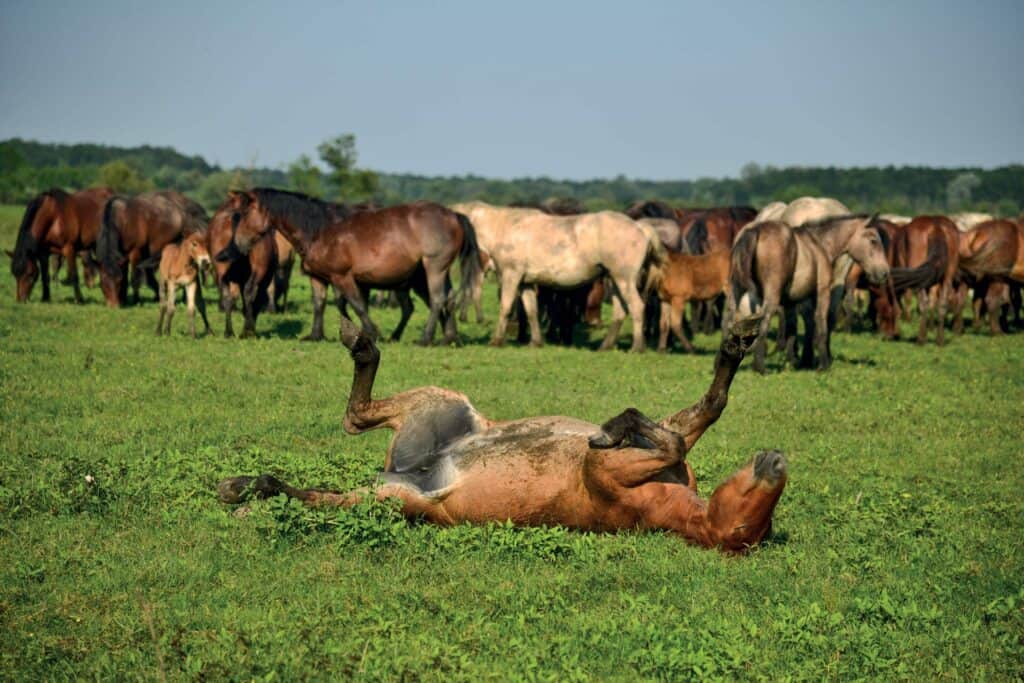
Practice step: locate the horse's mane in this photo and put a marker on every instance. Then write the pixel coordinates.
(308, 214)
(742, 213)
(26, 245)
(829, 220)
(651, 209)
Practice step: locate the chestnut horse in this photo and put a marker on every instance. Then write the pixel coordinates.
(249, 276)
(137, 229)
(994, 248)
(180, 264)
(931, 241)
(56, 222)
(413, 245)
(449, 464)
(702, 277)
(774, 264)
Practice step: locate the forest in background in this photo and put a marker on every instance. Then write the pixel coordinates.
(28, 167)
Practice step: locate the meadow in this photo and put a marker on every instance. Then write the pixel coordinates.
(897, 552)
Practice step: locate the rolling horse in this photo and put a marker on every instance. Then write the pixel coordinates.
(135, 230)
(56, 222)
(774, 264)
(397, 248)
(449, 464)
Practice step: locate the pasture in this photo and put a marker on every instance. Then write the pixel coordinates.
(897, 549)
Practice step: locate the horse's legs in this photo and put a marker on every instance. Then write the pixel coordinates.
(44, 275)
(228, 294)
(760, 347)
(319, 288)
(438, 286)
(625, 295)
(677, 313)
(663, 326)
(922, 306)
(788, 329)
(190, 306)
(529, 297)
(68, 253)
(201, 305)
(618, 315)
(170, 305)
(347, 287)
(405, 303)
(162, 305)
(941, 302)
(509, 291)
(451, 333)
(249, 293)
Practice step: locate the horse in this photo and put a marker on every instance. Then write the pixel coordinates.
(883, 302)
(932, 242)
(180, 264)
(449, 464)
(277, 293)
(993, 248)
(702, 277)
(412, 245)
(56, 222)
(250, 276)
(966, 220)
(774, 264)
(133, 233)
(531, 248)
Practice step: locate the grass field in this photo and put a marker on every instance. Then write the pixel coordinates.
(898, 550)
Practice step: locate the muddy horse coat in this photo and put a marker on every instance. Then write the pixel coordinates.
(448, 464)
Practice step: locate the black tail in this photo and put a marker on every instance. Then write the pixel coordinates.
(469, 257)
(108, 242)
(26, 245)
(741, 270)
(697, 237)
(928, 273)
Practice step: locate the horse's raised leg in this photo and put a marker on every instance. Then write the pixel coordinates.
(509, 291)
(405, 303)
(319, 288)
(529, 297)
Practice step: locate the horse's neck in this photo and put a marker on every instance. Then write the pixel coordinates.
(833, 237)
(298, 237)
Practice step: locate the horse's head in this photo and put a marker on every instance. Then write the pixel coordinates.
(250, 221)
(25, 272)
(866, 248)
(740, 510)
(195, 245)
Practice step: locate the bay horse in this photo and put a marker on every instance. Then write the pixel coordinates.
(774, 264)
(931, 242)
(685, 278)
(412, 245)
(133, 233)
(448, 464)
(249, 276)
(531, 248)
(60, 223)
(180, 264)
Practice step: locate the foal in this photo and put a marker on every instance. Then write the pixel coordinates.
(179, 265)
(689, 278)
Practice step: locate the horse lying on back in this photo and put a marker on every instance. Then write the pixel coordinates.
(448, 464)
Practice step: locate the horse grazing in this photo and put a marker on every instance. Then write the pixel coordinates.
(531, 248)
(449, 464)
(56, 222)
(180, 265)
(134, 232)
(412, 245)
(685, 278)
(249, 276)
(774, 264)
(930, 243)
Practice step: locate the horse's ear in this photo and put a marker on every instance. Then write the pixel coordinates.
(872, 218)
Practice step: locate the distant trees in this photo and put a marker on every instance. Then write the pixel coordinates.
(351, 184)
(304, 176)
(122, 177)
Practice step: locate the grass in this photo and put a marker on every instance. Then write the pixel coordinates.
(897, 550)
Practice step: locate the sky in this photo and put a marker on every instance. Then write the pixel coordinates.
(657, 90)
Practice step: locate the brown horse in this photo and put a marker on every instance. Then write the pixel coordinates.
(135, 230)
(449, 464)
(774, 264)
(180, 264)
(687, 278)
(413, 245)
(931, 242)
(249, 276)
(994, 248)
(56, 222)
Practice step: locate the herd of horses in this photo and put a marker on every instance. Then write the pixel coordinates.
(556, 265)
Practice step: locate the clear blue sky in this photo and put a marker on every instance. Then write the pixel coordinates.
(565, 89)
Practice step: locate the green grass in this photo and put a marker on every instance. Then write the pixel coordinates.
(898, 549)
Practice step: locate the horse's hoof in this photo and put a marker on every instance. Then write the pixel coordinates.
(496, 342)
(312, 338)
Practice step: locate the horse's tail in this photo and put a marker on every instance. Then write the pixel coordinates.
(741, 270)
(697, 237)
(108, 242)
(26, 245)
(470, 262)
(926, 274)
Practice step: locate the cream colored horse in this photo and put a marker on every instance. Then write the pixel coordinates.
(532, 248)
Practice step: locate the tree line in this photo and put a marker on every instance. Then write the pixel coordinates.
(28, 167)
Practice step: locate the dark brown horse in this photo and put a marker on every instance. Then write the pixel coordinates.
(449, 464)
(930, 243)
(398, 248)
(56, 222)
(774, 264)
(135, 230)
(249, 276)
